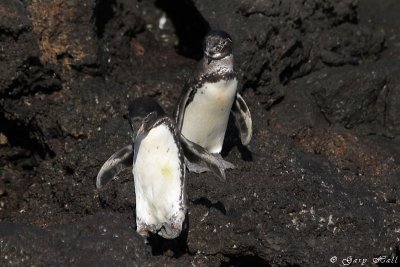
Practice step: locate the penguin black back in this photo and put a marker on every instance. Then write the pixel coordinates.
(142, 106)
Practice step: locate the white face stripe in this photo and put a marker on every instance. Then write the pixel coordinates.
(159, 185)
(216, 55)
(206, 117)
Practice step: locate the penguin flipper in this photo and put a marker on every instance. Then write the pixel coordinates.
(120, 160)
(179, 111)
(215, 164)
(195, 167)
(243, 119)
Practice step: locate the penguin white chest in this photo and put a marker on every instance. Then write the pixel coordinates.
(206, 117)
(159, 176)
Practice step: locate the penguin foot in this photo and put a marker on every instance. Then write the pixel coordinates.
(224, 163)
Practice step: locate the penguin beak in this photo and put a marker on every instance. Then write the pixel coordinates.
(131, 124)
(136, 133)
(208, 56)
(140, 131)
(136, 130)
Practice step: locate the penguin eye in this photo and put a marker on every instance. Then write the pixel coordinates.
(223, 45)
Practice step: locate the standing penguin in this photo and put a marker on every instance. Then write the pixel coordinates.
(158, 167)
(158, 170)
(206, 101)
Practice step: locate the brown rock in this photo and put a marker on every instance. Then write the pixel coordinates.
(65, 29)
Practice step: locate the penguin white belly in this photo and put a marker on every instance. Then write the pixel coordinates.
(159, 183)
(206, 117)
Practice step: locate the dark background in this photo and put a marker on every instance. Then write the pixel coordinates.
(321, 177)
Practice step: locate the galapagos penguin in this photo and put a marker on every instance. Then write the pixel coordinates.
(158, 168)
(209, 96)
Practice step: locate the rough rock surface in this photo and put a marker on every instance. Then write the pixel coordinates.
(320, 178)
(102, 239)
(277, 41)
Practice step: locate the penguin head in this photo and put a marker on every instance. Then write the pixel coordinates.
(143, 112)
(217, 45)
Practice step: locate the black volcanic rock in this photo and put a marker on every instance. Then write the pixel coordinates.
(277, 41)
(101, 240)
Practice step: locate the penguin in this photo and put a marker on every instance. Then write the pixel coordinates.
(158, 168)
(156, 156)
(210, 95)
